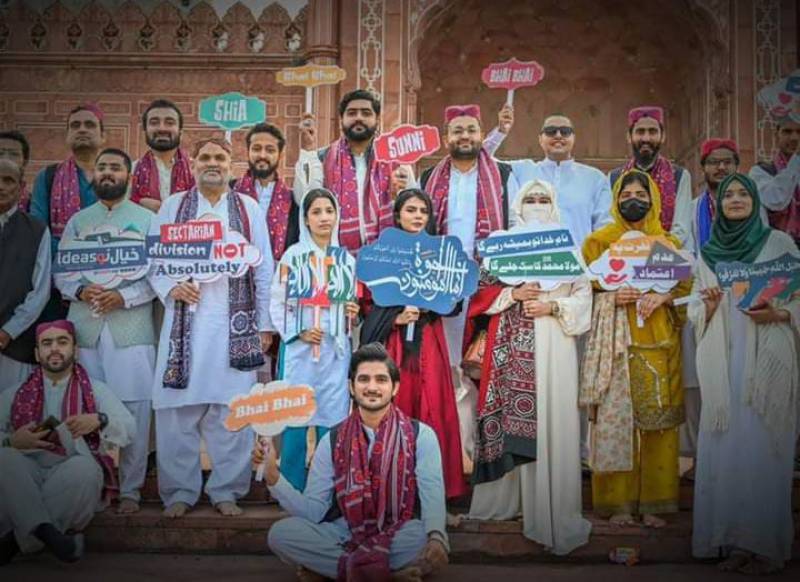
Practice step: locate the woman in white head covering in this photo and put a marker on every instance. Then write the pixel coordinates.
(301, 335)
(529, 388)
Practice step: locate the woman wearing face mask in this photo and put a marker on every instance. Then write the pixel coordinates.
(631, 375)
(319, 225)
(747, 364)
(527, 452)
(426, 385)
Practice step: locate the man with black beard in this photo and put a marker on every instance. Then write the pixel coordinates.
(165, 169)
(114, 324)
(363, 186)
(469, 190)
(265, 145)
(646, 135)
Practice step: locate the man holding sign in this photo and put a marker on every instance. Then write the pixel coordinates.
(362, 185)
(212, 342)
(374, 504)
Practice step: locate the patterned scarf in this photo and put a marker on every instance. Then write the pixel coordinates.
(490, 195)
(663, 174)
(145, 178)
(376, 492)
(24, 197)
(65, 197)
(279, 207)
(705, 218)
(28, 406)
(340, 178)
(788, 219)
(244, 349)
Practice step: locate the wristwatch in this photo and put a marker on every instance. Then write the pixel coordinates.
(103, 418)
(555, 308)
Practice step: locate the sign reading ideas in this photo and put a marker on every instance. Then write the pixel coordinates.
(232, 111)
(202, 250)
(407, 144)
(540, 254)
(429, 272)
(755, 284)
(103, 255)
(647, 263)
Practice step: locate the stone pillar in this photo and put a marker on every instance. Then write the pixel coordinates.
(322, 48)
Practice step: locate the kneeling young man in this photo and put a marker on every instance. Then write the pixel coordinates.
(374, 505)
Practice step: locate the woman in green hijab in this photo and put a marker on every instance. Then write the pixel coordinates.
(748, 364)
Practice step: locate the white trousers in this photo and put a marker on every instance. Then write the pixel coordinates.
(692, 403)
(178, 435)
(466, 392)
(65, 495)
(12, 373)
(318, 546)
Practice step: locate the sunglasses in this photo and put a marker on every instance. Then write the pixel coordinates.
(552, 130)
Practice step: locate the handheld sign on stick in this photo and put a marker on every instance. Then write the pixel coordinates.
(269, 409)
(511, 75)
(782, 98)
(407, 144)
(311, 76)
(232, 111)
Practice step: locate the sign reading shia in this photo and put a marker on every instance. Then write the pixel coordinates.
(232, 111)
(755, 284)
(429, 272)
(407, 144)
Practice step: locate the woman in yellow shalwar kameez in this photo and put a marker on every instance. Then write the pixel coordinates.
(654, 364)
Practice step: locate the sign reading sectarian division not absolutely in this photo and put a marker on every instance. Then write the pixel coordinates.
(202, 250)
(511, 75)
(407, 144)
(429, 272)
(103, 255)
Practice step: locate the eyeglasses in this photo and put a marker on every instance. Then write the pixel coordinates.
(552, 130)
(725, 163)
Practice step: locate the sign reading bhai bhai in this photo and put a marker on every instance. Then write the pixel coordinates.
(232, 111)
(512, 74)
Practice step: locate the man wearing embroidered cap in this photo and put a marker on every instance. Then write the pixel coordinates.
(55, 429)
(469, 190)
(646, 135)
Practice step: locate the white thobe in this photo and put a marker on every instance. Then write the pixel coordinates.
(12, 372)
(776, 192)
(38, 486)
(264, 194)
(164, 176)
(305, 539)
(184, 415)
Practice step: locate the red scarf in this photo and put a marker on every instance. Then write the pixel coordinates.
(375, 492)
(145, 179)
(788, 219)
(663, 174)
(340, 178)
(490, 195)
(278, 213)
(28, 406)
(24, 197)
(65, 196)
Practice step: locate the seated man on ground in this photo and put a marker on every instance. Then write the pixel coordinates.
(374, 505)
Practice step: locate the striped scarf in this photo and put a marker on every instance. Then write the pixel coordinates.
(279, 207)
(663, 174)
(65, 196)
(145, 182)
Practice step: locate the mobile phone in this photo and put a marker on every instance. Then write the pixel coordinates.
(50, 423)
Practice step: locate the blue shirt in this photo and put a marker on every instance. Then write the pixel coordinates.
(40, 200)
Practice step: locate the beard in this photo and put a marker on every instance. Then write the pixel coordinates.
(108, 191)
(458, 153)
(55, 368)
(359, 132)
(262, 173)
(163, 143)
(645, 159)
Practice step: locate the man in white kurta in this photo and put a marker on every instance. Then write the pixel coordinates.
(198, 410)
(25, 274)
(115, 324)
(46, 490)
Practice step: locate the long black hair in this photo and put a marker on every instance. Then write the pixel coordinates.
(406, 195)
(316, 194)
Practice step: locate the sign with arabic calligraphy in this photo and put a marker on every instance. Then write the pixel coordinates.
(202, 250)
(756, 284)
(782, 98)
(104, 255)
(270, 408)
(531, 254)
(647, 263)
(429, 272)
(320, 282)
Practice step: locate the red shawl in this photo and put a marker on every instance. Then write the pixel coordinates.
(340, 178)
(278, 213)
(375, 492)
(788, 219)
(490, 195)
(28, 406)
(145, 182)
(65, 196)
(663, 174)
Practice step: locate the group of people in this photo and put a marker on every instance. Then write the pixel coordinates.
(503, 398)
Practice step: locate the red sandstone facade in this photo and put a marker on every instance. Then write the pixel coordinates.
(703, 60)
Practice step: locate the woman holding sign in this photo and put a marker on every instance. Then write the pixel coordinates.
(747, 364)
(313, 312)
(428, 396)
(631, 374)
(527, 452)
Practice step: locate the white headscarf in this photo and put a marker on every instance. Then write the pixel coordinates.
(539, 187)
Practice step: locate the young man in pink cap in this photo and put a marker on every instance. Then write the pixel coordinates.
(646, 135)
(55, 428)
